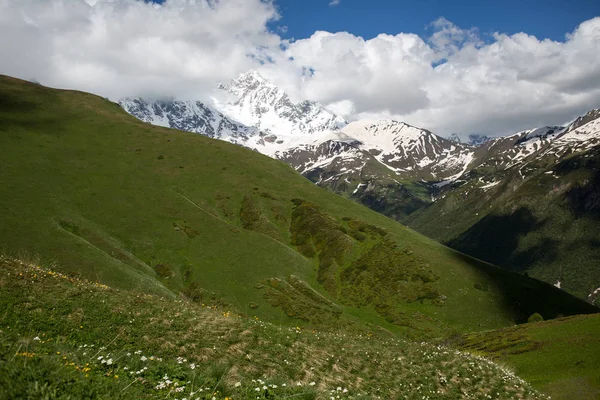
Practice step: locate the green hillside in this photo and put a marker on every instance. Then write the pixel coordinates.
(54, 344)
(545, 226)
(115, 200)
(559, 357)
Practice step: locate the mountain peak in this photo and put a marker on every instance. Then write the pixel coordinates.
(252, 78)
(252, 75)
(454, 138)
(263, 105)
(584, 119)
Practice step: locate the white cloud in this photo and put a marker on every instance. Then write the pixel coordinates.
(450, 81)
(334, 3)
(120, 47)
(447, 38)
(513, 83)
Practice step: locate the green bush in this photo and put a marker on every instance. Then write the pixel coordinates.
(164, 271)
(537, 317)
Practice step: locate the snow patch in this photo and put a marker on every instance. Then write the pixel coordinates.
(557, 284)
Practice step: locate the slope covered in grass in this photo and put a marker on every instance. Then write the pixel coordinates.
(559, 357)
(168, 212)
(62, 337)
(545, 225)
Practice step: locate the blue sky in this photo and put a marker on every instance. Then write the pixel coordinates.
(368, 18)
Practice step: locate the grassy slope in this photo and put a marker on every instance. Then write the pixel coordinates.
(546, 226)
(559, 357)
(117, 200)
(54, 344)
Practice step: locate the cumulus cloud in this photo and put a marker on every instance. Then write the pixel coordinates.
(129, 47)
(453, 81)
(333, 3)
(447, 38)
(449, 81)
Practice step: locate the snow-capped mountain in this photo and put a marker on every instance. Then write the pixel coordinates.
(347, 157)
(371, 155)
(307, 135)
(473, 140)
(191, 116)
(409, 151)
(508, 151)
(455, 138)
(478, 140)
(583, 134)
(263, 105)
(530, 202)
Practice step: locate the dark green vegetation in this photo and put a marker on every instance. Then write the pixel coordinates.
(558, 357)
(54, 343)
(167, 212)
(545, 226)
(164, 211)
(396, 200)
(174, 214)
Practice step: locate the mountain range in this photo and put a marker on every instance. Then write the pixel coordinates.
(413, 175)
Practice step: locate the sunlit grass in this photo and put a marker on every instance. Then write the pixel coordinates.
(65, 336)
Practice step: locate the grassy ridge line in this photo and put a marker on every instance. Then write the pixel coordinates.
(54, 344)
(75, 160)
(559, 357)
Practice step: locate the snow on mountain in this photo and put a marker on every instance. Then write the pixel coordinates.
(307, 135)
(400, 149)
(581, 135)
(473, 139)
(261, 104)
(328, 150)
(478, 140)
(505, 152)
(455, 138)
(408, 150)
(191, 116)
(590, 116)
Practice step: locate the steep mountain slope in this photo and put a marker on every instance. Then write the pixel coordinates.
(532, 207)
(117, 200)
(409, 152)
(191, 116)
(257, 102)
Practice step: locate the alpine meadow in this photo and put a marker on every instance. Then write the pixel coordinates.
(271, 199)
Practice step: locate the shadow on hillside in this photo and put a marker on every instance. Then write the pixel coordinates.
(525, 296)
(583, 200)
(495, 239)
(393, 202)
